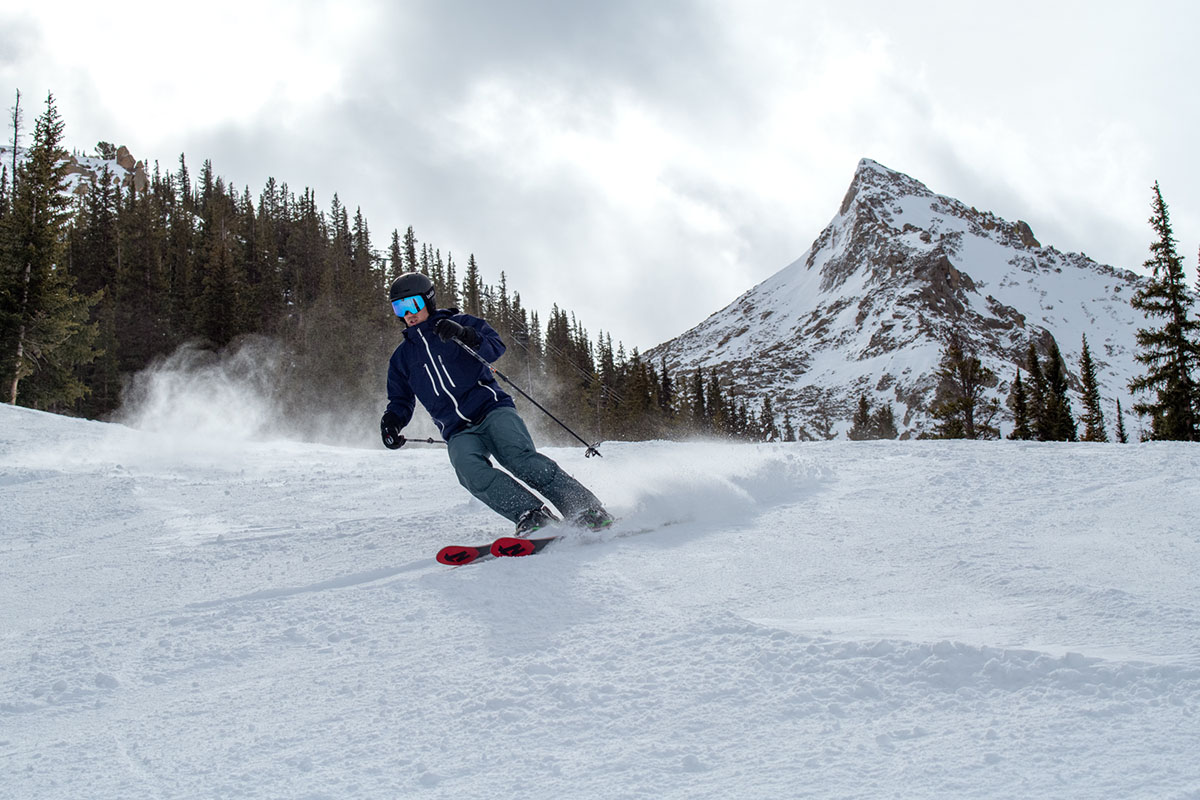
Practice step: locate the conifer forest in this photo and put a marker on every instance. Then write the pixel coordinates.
(291, 292)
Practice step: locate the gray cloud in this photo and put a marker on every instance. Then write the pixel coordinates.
(644, 163)
(19, 36)
(447, 45)
(545, 225)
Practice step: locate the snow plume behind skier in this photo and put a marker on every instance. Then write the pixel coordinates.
(477, 418)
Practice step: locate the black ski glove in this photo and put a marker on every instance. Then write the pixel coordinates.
(389, 430)
(448, 329)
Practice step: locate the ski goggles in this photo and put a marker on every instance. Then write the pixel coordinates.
(408, 305)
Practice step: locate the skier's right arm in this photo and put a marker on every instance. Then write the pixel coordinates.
(400, 407)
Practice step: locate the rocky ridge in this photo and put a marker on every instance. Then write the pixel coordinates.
(83, 171)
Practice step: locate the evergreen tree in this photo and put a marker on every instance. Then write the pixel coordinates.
(1020, 407)
(769, 430)
(960, 404)
(523, 355)
(395, 257)
(220, 308)
(94, 236)
(503, 313)
(740, 423)
(204, 197)
(868, 424)
(305, 252)
(1122, 436)
(410, 251)
(182, 275)
(3, 192)
(440, 270)
(639, 393)
(45, 333)
(472, 292)
(699, 413)
(537, 341)
(362, 254)
(183, 181)
(1170, 352)
(610, 376)
(139, 288)
(220, 315)
(666, 391)
(340, 250)
(263, 241)
(860, 429)
(1059, 422)
(883, 423)
(452, 297)
(1037, 390)
(367, 279)
(716, 415)
(1092, 416)
(16, 140)
(570, 368)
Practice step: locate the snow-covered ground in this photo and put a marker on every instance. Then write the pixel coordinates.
(186, 616)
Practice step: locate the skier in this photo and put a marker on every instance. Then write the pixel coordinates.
(476, 417)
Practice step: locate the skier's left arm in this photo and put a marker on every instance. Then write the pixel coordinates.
(474, 332)
(490, 346)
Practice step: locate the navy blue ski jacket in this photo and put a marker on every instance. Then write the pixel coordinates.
(454, 387)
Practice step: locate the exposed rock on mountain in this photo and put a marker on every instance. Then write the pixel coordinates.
(83, 171)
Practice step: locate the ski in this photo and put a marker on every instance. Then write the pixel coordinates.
(515, 547)
(504, 547)
(459, 554)
(456, 555)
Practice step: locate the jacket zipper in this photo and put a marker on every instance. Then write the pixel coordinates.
(443, 363)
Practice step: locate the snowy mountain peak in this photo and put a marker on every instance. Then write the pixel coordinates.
(868, 307)
(872, 178)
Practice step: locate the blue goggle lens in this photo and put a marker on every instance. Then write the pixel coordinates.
(408, 305)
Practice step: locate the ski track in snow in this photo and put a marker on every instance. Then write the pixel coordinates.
(188, 617)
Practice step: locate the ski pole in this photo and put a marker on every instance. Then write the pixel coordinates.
(424, 441)
(591, 448)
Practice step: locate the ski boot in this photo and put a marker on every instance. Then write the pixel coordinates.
(534, 520)
(594, 519)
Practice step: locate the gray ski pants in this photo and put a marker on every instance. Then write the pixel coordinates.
(503, 435)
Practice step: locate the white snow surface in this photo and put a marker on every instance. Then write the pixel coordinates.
(207, 617)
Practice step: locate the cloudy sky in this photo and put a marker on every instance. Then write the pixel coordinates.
(641, 162)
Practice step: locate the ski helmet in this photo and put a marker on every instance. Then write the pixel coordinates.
(412, 284)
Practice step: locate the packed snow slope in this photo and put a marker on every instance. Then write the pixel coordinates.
(184, 616)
